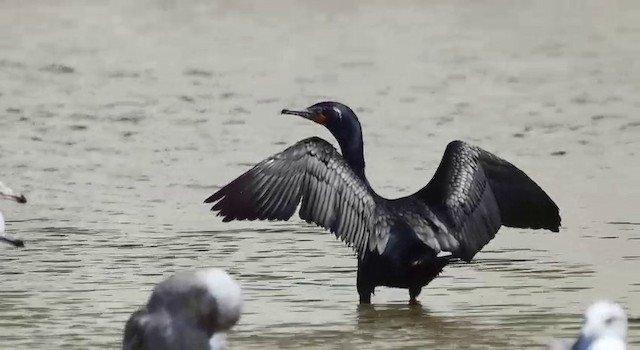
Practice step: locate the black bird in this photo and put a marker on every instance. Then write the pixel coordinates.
(403, 242)
(188, 311)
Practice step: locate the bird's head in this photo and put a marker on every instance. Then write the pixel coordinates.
(209, 299)
(335, 116)
(602, 320)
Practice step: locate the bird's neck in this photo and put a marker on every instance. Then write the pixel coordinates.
(353, 153)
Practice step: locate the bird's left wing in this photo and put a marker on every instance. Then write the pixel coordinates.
(475, 192)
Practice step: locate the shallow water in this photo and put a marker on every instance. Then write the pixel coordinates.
(117, 119)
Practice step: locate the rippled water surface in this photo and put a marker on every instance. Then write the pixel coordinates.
(119, 118)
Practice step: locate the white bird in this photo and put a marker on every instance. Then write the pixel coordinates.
(604, 328)
(7, 238)
(188, 311)
(7, 193)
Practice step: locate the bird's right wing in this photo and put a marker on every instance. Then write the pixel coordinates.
(311, 171)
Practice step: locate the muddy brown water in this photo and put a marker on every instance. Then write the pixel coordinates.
(118, 118)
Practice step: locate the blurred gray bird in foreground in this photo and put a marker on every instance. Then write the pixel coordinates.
(188, 311)
(604, 328)
(7, 193)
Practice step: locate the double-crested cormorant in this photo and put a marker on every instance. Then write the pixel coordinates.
(7, 193)
(404, 242)
(604, 328)
(190, 310)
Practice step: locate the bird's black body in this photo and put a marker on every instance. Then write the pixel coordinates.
(405, 242)
(406, 263)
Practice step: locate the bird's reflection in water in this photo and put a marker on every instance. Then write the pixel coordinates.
(415, 325)
(404, 326)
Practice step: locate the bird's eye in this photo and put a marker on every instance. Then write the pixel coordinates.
(609, 320)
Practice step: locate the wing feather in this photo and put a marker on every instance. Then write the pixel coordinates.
(473, 192)
(311, 172)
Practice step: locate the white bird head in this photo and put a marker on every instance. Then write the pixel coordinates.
(604, 327)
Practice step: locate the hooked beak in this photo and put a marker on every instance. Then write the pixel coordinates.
(20, 199)
(307, 114)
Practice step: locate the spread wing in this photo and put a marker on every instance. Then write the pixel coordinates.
(311, 171)
(474, 193)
